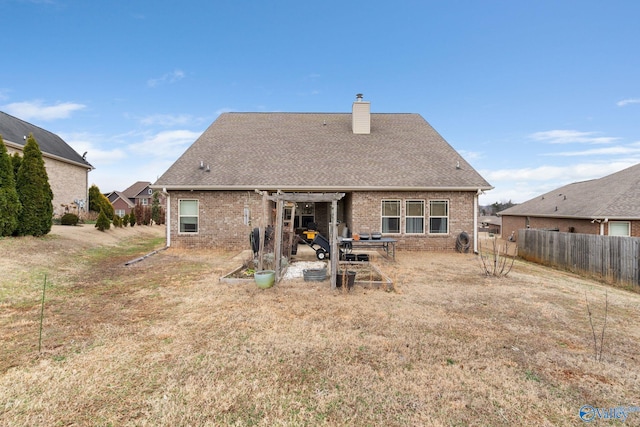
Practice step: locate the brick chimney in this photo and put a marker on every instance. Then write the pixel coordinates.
(361, 116)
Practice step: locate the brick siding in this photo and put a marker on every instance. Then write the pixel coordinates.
(221, 216)
(511, 224)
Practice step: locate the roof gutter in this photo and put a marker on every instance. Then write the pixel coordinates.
(306, 188)
(589, 218)
(51, 156)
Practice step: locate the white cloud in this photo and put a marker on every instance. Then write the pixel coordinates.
(37, 110)
(94, 145)
(617, 150)
(471, 155)
(166, 119)
(561, 136)
(568, 173)
(171, 77)
(625, 102)
(167, 144)
(520, 185)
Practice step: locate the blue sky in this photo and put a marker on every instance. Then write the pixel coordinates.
(534, 94)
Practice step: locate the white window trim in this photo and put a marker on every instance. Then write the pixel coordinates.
(197, 216)
(407, 216)
(448, 217)
(382, 217)
(628, 223)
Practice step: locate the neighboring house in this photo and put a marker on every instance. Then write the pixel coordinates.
(122, 205)
(67, 170)
(490, 224)
(398, 175)
(607, 206)
(125, 201)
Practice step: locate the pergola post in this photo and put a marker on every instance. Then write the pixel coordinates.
(334, 242)
(278, 236)
(280, 198)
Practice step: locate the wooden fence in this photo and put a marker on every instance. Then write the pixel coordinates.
(612, 258)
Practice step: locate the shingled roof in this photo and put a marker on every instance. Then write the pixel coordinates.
(14, 131)
(615, 196)
(319, 152)
(135, 189)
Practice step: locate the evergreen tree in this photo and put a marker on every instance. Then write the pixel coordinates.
(10, 206)
(94, 198)
(16, 161)
(103, 222)
(98, 202)
(500, 206)
(34, 192)
(155, 208)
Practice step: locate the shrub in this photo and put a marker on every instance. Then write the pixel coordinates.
(125, 220)
(132, 218)
(69, 219)
(103, 222)
(98, 202)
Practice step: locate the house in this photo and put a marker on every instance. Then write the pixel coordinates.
(607, 206)
(125, 201)
(398, 175)
(491, 224)
(67, 170)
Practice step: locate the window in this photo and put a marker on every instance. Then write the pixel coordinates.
(438, 217)
(144, 202)
(188, 216)
(391, 216)
(414, 212)
(120, 213)
(619, 228)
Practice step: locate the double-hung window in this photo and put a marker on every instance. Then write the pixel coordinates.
(438, 216)
(414, 213)
(188, 216)
(391, 216)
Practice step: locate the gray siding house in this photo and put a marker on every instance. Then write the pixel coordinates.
(398, 175)
(68, 171)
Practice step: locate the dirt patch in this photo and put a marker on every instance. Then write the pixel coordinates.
(163, 342)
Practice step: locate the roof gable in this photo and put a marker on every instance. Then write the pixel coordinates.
(319, 151)
(135, 189)
(615, 196)
(114, 196)
(15, 130)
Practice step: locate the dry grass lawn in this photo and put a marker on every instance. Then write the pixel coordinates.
(163, 343)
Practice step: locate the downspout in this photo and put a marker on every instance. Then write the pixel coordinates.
(167, 218)
(475, 220)
(86, 205)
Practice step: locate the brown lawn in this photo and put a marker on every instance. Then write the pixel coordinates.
(163, 343)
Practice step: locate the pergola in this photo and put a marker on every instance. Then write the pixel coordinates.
(281, 198)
